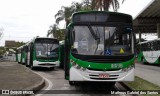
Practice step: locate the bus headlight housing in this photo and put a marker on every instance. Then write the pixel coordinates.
(75, 65)
(78, 67)
(128, 68)
(83, 69)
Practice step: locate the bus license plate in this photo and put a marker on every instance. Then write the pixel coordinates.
(103, 75)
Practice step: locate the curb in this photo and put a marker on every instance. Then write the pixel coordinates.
(35, 87)
(38, 86)
(128, 88)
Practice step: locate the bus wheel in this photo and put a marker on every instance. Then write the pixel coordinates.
(72, 82)
(27, 65)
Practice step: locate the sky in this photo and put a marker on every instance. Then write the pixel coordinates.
(24, 19)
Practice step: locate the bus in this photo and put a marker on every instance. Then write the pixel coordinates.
(23, 54)
(42, 52)
(149, 51)
(99, 46)
(61, 56)
(19, 54)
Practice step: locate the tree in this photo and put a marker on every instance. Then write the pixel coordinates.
(52, 30)
(103, 4)
(18, 44)
(55, 32)
(65, 13)
(2, 50)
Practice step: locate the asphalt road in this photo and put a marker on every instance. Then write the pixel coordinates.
(55, 81)
(148, 72)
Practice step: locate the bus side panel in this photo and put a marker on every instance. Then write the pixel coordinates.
(61, 56)
(140, 55)
(31, 55)
(66, 55)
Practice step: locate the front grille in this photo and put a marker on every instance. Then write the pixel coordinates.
(103, 59)
(47, 64)
(103, 78)
(96, 76)
(103, 69)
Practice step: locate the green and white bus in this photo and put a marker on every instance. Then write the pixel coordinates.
(23, 54)
(43, 52)
(19, 54)
(99, 46)
(61, 48)
(149, 51)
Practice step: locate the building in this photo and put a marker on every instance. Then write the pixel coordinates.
(10, 43)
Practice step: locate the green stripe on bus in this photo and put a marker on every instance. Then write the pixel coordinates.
(103, 66)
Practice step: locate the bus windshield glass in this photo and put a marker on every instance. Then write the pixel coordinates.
(101, 40)
(46, 49)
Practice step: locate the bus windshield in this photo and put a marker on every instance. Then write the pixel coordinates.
(101, 40)
(46, 50)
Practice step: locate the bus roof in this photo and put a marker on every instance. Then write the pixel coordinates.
(107, 12)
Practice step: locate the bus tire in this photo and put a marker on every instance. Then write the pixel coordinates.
(27, 65)
(72, 82)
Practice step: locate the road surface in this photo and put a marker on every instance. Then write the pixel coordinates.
(148, 72)
(55, 81)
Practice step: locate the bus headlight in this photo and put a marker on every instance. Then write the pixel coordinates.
(73, 63)
(128, 68)
(83, 69)
(78, 67)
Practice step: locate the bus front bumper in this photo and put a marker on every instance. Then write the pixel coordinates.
(90, 75)
(46, 64)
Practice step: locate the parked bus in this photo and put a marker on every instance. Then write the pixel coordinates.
(19, 54)
(42, 52)
(149, 51)
(23, 54)
(61, 43)
(99, 46)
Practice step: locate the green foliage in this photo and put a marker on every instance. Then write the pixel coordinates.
(102, 4)
(65, 12)
(55, 32)
(18, 44)
(2, 50)
(141, 84)
(59, 34)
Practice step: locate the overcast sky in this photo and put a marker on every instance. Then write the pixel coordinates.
(24, 19)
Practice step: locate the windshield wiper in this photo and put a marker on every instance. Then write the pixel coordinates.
(93, 33)
(95, 36)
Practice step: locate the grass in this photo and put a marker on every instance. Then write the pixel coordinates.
(141, 84)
